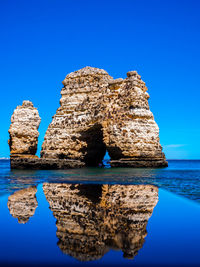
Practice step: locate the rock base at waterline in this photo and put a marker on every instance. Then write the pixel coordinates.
(44, 164)
(56, 164)
(139, 163)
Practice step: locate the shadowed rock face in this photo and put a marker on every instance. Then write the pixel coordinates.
(24, 130)
(92, 219)
(23, 203)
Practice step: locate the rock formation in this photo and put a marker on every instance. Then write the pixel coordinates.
(24, 131)
(23, 203)
(76, 132)
(130, 132)
(92, 219)
(96, 114)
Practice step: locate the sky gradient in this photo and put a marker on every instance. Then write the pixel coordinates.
(43, 40)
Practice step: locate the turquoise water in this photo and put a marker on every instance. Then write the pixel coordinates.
(99, 216)
(181, 177)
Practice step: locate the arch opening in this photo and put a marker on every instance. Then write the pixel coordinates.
(106, 160)
(95, 150)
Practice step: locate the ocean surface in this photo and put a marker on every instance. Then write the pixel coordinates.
(101, 216)
(181, 177)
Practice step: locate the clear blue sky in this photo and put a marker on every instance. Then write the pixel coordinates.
(43, 40)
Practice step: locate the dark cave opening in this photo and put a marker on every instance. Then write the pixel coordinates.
(96, 149)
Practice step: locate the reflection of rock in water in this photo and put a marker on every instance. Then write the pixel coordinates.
(23, 203)
(91, 219)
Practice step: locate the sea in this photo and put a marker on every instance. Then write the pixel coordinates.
(100, 216)
(181, 177)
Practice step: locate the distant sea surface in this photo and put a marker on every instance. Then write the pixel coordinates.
(181, 177)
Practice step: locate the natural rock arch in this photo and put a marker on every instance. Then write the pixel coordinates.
(93, 104)
(96, 113)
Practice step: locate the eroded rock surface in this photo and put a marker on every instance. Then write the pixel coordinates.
(98, 113)
(75, 131)
(23, 203)
(24, 130)
(92, 219)
(130, 132)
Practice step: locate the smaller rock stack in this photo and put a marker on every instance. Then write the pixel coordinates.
(23, 131)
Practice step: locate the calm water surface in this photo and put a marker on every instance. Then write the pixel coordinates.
(181, 177)
(101, 216)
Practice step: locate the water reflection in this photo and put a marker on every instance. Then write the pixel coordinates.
(92, 219)
(23, 203)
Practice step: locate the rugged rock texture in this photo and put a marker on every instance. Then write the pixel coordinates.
(92, 219)
(130, 132)
(75, 132)
(23, 203)
(44, 164)
(98, 113)
(24, 131)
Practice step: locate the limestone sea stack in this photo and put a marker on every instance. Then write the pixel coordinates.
(92, 219)
(130, 132)
(96, 113)
(76, 131)
(23, 131)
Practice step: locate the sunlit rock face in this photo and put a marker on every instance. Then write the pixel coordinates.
(98, 113)
(130, 132)
(75, 131)
(23, 203)
(92, 219)
(24, 130)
